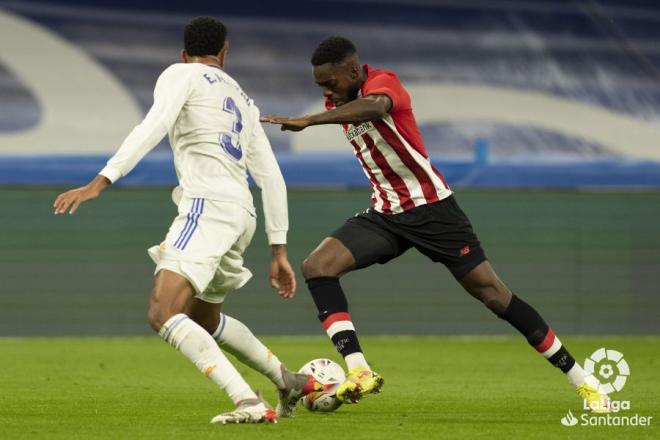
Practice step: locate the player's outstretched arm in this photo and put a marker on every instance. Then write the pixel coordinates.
(282, 276)
(73, 198)
(170, 93)
(360, 110)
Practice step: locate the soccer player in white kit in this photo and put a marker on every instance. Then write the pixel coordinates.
(216, 137)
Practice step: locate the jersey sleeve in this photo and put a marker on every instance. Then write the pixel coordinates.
(170, 94)
(265, 171)
(386, 83)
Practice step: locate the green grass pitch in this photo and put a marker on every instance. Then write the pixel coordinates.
(587, 261)
(436, 387)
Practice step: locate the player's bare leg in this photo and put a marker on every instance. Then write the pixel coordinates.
(322, 269)
(236, 338)
(204, 313)
(167, 306)
(484, 284)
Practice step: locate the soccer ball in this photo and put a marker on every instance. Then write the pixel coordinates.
(331, 375)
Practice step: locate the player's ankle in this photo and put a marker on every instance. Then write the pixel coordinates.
(356, 360)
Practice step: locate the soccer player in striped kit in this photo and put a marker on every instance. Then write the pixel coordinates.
(412, 206)
(216, 138)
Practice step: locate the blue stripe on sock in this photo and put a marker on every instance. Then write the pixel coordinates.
(223, 321)
(172, 326)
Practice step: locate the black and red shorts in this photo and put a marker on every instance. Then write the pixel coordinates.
(439, 230)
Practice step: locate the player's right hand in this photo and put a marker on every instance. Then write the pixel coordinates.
(282, 277)
(72, 199)
(287, 124)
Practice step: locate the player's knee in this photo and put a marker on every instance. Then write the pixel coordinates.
(496, 305)
(316, 265)
(490, 290)
(495, 298)
(158, 314)
(154, 318)
(309, 267)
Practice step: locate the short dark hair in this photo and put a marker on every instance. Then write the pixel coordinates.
(204, 36)
(333, 50)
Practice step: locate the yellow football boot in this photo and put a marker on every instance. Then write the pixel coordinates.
(359, 381)
(596, 401)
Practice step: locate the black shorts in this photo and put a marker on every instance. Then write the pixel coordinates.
(440, 230)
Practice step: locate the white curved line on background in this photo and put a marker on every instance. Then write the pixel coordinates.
(84, 108)
(447, 103)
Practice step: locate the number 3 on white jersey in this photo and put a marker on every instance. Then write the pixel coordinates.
(227, 140)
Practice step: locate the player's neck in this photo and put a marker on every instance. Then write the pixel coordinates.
(210, 60)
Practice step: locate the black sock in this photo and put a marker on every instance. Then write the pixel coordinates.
(539, 335)
(333, 313)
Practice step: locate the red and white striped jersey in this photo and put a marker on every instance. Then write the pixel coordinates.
(391, 150)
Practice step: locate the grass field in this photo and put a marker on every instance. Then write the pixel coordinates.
(588, 261)
(436, 387)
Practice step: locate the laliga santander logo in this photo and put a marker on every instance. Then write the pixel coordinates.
(609, 368)
(608, 371)
(569, 419)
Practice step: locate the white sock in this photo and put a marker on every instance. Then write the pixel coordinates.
(196, 344)
(355, 360)
(341, 322)
(576, 375)
(237, 339)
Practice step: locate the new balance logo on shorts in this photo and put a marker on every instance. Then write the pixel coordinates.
(464, 251)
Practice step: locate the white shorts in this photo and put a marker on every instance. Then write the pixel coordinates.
(205, 244)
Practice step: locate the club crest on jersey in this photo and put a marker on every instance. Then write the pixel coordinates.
(358, 130)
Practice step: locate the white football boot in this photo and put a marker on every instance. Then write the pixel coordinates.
(296, 385)
(248, 411)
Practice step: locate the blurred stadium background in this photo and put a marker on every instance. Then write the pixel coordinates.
(544, 116)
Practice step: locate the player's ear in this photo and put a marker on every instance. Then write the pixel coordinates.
(355, 71)
(184, 56)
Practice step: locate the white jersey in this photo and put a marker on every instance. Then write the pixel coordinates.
(216, 137)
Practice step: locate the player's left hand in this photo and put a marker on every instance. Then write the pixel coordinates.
(290, 124)
(72, 199)
(282, 276)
